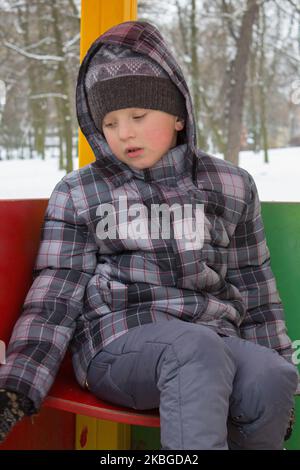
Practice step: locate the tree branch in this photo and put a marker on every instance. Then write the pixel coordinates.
(33, 56)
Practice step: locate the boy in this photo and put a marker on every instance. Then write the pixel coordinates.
(194, 328)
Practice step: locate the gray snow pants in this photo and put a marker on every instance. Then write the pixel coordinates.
(213, 392)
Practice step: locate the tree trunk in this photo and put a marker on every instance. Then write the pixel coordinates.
(61, 150)
(35, 105)
(238, 82)
(195, 75)
(262, 90)
(62, 85)
(253, 104)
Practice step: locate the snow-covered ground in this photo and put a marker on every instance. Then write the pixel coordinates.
(29, 179)
(277, 181)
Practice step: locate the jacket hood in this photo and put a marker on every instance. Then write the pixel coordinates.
(143, 38)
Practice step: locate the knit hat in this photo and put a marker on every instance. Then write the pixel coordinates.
(119, 78)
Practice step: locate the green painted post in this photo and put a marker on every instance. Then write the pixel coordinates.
(282, 227)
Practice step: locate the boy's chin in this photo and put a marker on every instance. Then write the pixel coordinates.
(142, 164)
(138, 165)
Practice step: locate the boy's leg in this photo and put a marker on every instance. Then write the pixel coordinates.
(185, 369)
(262, 396)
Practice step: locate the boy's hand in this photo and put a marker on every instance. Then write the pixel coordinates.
(291, 425)
(13, 407)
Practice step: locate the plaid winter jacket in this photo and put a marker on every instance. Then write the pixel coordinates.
(87, 291)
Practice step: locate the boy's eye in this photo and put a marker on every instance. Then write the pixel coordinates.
(134, 117)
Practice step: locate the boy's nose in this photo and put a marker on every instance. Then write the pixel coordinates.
(125, 131)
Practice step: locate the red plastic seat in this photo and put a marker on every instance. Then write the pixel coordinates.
(20, 224)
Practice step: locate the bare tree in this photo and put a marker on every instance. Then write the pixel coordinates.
(238, 82)
(240, 59)
(39, 69)
(62, 87)
(263, 82)
(36, 107)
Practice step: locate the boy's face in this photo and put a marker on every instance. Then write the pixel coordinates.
(152, 132)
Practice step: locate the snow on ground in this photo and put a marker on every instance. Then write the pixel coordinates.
(277, 181)
(26, 179)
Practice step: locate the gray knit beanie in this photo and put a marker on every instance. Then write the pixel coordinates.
(119, 78)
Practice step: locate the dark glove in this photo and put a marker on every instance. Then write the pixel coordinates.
(291, 425)
(13, 407)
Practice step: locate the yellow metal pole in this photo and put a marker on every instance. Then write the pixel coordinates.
(97, 16)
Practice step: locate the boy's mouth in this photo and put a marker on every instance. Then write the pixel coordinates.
(133, 151)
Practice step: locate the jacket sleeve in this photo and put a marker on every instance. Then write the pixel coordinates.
(250, 271)
(65, 263)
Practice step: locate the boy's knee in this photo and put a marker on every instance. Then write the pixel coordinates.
(198, 343)
(275, 387)
(280, 382)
